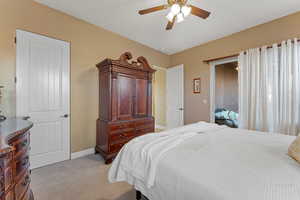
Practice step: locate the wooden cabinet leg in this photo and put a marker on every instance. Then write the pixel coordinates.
(108, 161)
(96, 151)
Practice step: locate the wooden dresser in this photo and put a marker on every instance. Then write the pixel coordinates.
(14, 159)
(125, 103)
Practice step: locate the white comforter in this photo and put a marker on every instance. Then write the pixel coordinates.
(209, 163)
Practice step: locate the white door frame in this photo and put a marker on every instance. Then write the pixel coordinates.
(66, 81)
(213, 83)
(182, 113)
(157, 125)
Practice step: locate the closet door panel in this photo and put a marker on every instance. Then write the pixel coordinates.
(141, 97)
(114, 98)
(125, 97)
(104, 95)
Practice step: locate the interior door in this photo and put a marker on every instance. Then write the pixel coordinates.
(126, 95)
(175, 97)
(42, 72)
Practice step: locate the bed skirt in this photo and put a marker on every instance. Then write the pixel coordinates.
(140, 196)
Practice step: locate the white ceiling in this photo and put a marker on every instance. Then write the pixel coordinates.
(227, 17)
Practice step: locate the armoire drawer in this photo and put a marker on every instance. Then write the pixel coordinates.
(146, 126)
(116, 128)
(124, 135)
(144, 131)
(144, 122)
(117, 146)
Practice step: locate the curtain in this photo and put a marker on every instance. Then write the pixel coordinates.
(269, 88)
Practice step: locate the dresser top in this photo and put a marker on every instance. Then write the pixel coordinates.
(10, 128)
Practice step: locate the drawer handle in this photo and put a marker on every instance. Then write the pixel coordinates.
(25, 161)
(26, 181)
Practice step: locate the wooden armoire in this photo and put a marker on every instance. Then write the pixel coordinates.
(125, 103)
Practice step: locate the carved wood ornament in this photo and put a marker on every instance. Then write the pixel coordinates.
(124, 60)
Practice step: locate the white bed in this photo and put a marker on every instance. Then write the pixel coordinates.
(213, 163)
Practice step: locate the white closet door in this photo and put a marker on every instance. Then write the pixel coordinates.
(42, 72)
(175, 97)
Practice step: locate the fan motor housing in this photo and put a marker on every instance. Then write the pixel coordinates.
(181, 2)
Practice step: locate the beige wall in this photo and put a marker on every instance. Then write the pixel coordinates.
(227, 87)
(195, 107)
(89, 45)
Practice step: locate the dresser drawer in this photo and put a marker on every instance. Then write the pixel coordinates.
(22, 186)
(14, 160)
(8, 177)
(119, 127)
(21, 144)
(6, 171)
(6, 161)
(122, 136)
(9, 195)
(22, 164)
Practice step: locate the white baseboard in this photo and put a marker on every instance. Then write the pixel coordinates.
(160, 127)
(83, 153)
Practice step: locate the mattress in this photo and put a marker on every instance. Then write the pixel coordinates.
(223, 164)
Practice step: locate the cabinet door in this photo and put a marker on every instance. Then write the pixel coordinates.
(125, 97)
(141, 97)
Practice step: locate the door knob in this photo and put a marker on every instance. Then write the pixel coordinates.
(26, 118)
(180, 109)
(65, 116)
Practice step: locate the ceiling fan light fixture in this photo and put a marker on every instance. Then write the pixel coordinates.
(179, 18)
(178, 11)
(175, 9)
(170, 16)
(186, 10)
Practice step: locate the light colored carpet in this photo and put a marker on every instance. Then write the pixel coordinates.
(81, 179)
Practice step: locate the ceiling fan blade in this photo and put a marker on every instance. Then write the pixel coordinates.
(171, 24)
(200, 12)
(154, 9)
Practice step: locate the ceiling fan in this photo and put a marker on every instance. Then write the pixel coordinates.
(179, 9)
